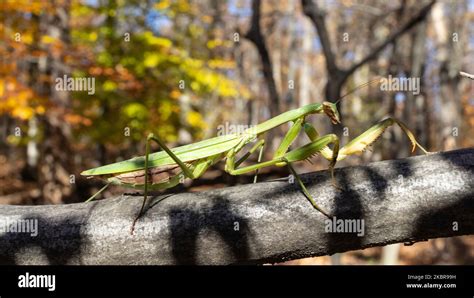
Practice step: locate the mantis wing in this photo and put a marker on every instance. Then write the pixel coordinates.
(185, 153)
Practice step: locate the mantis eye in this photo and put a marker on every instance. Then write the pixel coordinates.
(330, 110)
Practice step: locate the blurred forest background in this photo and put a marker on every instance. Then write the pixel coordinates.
(182, 68)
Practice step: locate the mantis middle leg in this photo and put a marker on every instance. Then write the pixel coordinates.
(259, 146)
(298, 154)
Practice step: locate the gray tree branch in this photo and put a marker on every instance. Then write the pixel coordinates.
(406, 200)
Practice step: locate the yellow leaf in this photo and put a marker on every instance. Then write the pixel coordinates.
(151, 60)
(164, 4)
(109, 86)
(135, 110)
(14, 140)
(183, 6)
(221, 64)
(165, 110)
(195, 119)
(93, 36)
(206, 19)
(157, 41)
(175, 94)
(160, 41)
(40, 110)
(27, 38)
(46, 39)
(213, 43)
(24, 113)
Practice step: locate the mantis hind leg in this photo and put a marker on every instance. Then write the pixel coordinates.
(199, 168)
(151, 137)
(97, 193)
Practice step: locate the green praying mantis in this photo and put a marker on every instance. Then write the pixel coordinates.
(167, 168)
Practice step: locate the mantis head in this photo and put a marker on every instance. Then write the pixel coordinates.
(330, 109)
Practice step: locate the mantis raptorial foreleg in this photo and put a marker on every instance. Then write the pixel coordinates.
(316, 146)
(289, 138)
(313, 135)
(360, 143)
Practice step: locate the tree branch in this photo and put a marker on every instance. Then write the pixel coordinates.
(405, 200)
(256, 37)
(316, 16)
(467, 75)
(338, 76)
(419, 17)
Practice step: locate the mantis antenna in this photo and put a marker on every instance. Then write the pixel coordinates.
(376, 80)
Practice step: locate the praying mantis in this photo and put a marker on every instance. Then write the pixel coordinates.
(165, 169)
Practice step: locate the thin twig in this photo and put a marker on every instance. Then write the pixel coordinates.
(467, 75)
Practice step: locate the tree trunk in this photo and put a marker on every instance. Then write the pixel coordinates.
(255, 35)
(451, 111)
(56, 163)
